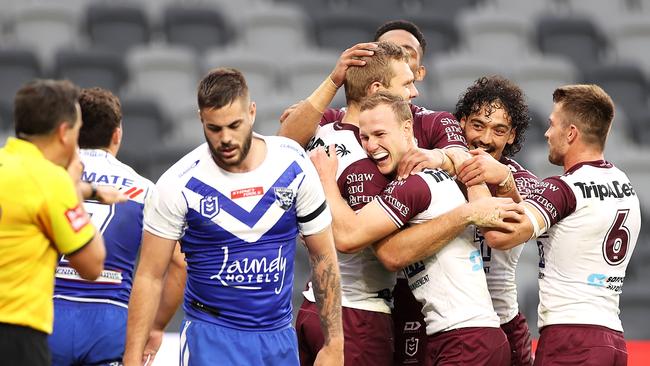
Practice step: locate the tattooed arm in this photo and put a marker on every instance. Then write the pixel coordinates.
(327, 290)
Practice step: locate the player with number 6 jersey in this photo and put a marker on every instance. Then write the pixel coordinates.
(592, 216)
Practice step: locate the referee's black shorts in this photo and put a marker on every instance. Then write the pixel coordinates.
(20, 345)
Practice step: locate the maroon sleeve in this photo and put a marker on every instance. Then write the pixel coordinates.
(437, 130)
(404, 199)
(331, 115)
(360, 183)
(554, 199)
(524, 179)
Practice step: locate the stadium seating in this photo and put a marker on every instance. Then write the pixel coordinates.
(577, 38)
(117, 27)
(198, 27)
(625, 83)
(89, 68)
(17, 66)
(503, 36)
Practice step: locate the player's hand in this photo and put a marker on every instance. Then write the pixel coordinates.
(110, 195)
(494, 212)
(326, 162)
(482, 168)
(329, 355)
(75, 168)
(288, 111)
(416, 160)
(457, 157)
(351, 57)
(152, 346)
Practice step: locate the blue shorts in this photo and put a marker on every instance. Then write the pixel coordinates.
(87, 333)
(204, 343)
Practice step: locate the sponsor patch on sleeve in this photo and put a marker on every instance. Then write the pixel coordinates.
(77, 217)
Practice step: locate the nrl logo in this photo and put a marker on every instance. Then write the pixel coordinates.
(284, 197)
(411, 347)
(209, 206)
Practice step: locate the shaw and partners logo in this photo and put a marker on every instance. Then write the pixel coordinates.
(252, 273)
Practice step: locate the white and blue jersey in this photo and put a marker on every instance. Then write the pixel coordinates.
(120, 225)
(90, 316)
(238, 232)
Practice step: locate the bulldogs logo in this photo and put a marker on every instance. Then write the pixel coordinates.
(284, 197)
(209, 206)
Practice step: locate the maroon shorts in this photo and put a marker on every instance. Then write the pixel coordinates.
(410, 328)
(518, 335)
(580, 344)
(469, 346)
(368, 336)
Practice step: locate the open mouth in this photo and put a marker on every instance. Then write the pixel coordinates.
(380, 157)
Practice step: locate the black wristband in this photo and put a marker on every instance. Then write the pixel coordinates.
(93, 191)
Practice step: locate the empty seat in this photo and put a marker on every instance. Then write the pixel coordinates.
(524, 9)
(91, 68)
(440, 32)
(452, 74)
(625, 83)
(432, 7)
(277, 31)
(17, 66)
(117, 27)
(260, 72)
(339, 30)
(638, 122)
(306, 71)
(631, 36)
(502, 36)
(169, 74)
(46, 27)
(197, 27)
(539, 76)
(142, 120)
(601, 11)
(576, 38)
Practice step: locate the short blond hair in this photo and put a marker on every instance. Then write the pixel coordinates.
(377, 68)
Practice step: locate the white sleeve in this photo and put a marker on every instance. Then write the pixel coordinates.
(311, 207)
(164, 213)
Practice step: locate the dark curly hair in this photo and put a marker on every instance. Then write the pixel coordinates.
(496, 91)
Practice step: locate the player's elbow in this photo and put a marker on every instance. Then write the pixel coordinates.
(346, 246)
(392, 263)
(497, 240)
(89, 261)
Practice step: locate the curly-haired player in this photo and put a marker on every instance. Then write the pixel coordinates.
(494, 116)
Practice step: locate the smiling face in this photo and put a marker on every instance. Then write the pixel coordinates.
(384, 138)
(229, 131)
(489, 129)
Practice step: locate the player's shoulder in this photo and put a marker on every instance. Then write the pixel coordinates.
(184, 168)
(286, 147)
(430, 115)
(516, 167)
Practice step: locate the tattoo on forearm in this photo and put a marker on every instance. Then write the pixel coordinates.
(327, 290)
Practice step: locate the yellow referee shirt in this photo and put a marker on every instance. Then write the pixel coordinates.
(40, 216)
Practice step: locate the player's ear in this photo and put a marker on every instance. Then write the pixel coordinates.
(252, 110)
(373, 88)
(420, 73)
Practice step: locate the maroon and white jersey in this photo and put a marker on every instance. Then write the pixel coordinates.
(592, 216)
(451, 284)
(500, 265)
(365, 282)
(432, 129)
